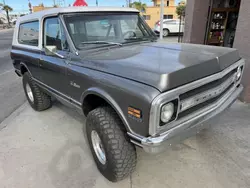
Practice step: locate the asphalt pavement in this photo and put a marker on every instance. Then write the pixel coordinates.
(11, 91)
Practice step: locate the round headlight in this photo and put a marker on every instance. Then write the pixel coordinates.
(167, 112)
(238, 74)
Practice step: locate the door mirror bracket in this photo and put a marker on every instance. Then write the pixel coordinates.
(52, 51)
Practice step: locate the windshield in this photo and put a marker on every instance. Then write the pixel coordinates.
(91, 30)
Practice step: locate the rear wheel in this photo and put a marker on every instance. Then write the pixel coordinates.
(114, 154)
(38, 100)
(165, 32)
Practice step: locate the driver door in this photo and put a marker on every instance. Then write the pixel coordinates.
(54, 67)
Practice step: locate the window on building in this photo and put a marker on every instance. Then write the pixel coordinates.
(168, 16)
(29, 33)
(146, 17)
(54, 34)
(167, 3)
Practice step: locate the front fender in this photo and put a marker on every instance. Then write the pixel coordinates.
(101, 93)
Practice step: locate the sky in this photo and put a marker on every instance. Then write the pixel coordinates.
(21, 6)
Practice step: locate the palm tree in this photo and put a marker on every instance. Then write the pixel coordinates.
(7, 9)
(139, 6)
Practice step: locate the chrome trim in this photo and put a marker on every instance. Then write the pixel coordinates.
(69, 39)
(209, 94)
(29, 93)
(135, 136)
(60, 56)
(56, 92)
(189, 126)
(136, 143)
(98, 147)
(163, 98)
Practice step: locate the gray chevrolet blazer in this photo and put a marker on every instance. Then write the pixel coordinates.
(133, 89)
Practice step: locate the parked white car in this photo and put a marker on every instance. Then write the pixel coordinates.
(169, 26)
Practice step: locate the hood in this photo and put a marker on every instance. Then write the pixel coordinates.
(161, 65)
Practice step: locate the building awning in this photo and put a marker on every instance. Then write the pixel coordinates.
(79, 3)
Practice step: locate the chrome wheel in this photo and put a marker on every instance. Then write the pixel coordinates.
(98, 147)
(165, 33)
(29, 93)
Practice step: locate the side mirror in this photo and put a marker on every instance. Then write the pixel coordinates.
(52, 51)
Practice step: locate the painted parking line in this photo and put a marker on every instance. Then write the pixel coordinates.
(3, 73)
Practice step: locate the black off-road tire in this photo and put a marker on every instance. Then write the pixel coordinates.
(42, 100)
(120, 152)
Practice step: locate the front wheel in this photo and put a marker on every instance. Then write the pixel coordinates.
(114, 155)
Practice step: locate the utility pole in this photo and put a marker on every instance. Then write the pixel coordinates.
(129, 2)
(97, 3)
(161, 19)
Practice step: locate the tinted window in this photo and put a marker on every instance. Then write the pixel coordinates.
(168, 16)
(29, 33)
(53, 34)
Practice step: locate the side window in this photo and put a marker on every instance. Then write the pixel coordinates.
(29, 33)
(54, 34)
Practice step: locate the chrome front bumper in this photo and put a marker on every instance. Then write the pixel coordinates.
(189, 126)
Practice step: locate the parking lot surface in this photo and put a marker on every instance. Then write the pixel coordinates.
(49, 149)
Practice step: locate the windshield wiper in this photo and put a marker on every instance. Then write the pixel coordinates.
(139, 39)
(102, 42)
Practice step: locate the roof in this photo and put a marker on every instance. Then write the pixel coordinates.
(53, 11)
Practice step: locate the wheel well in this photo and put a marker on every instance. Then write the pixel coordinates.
(23, 69)
(91, 102)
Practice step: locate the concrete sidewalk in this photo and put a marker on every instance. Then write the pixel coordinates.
(49, 149)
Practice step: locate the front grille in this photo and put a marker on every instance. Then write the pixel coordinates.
(204, 104)
(206, 88)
